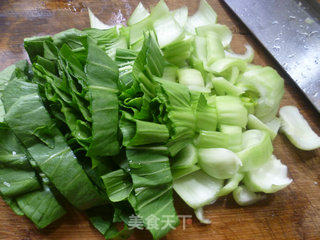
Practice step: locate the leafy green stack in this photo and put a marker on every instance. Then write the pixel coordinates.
(113, 119)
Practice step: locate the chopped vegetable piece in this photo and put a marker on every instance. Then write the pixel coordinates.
(257, 149)
(95, 22)
(197, 189)
(219, 163)
(297, 129)
(269, 178)
(138, 14)
(256, 123)
(248, 56)
(185, 158)
(199, 214)
(204, 16)
(190, 77)
(244, 197)
(231, 184)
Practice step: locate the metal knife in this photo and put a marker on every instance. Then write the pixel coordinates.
(290, 31)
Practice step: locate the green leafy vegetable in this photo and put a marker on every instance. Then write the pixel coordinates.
(56, 160)
(127, 114)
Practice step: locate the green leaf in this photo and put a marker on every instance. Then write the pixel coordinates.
(102, 76)
(118, 185)
(12, 203)
(149, 167)
(16, 175)
(58, 162)
(41, 207)
(157, 203)
(19, 100)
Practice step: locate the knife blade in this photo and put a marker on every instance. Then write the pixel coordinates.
(290, 31)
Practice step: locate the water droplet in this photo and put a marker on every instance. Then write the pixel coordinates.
(276, 39)
(312, 33)
(305, 47)
(292, 17)
(275, 47)
(315, 183)
(291, 55)
(6, 184)
(309, 20)
(275, 22)
(14, 153)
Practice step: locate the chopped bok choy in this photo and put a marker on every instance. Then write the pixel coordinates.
(297, 129)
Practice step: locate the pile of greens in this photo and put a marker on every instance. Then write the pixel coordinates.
(114, 119)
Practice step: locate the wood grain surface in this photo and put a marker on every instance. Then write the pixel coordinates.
(293, 213)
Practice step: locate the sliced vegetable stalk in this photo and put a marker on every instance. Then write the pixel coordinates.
(219, 163)
(245, 197)
(95, 22)
(231, 111)
(267, 84)
(198, 189)
(269, 178)
(231, 184)
(297, 129)
(230, 139)
(204, 16)
(248, 56)
(257, 149)
(138, 14)
(271, 127)
(187, 157)
(136, 132)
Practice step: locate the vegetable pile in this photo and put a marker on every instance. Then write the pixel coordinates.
(113, 119)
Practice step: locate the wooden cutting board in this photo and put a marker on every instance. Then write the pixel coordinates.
(293, 213)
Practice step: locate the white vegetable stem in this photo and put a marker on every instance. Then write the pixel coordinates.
(95, 22)
(297, 129)
(244, 197)
(199, 214)
(269, 178)
(220, 163)
(138, 14)
(197, 189)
